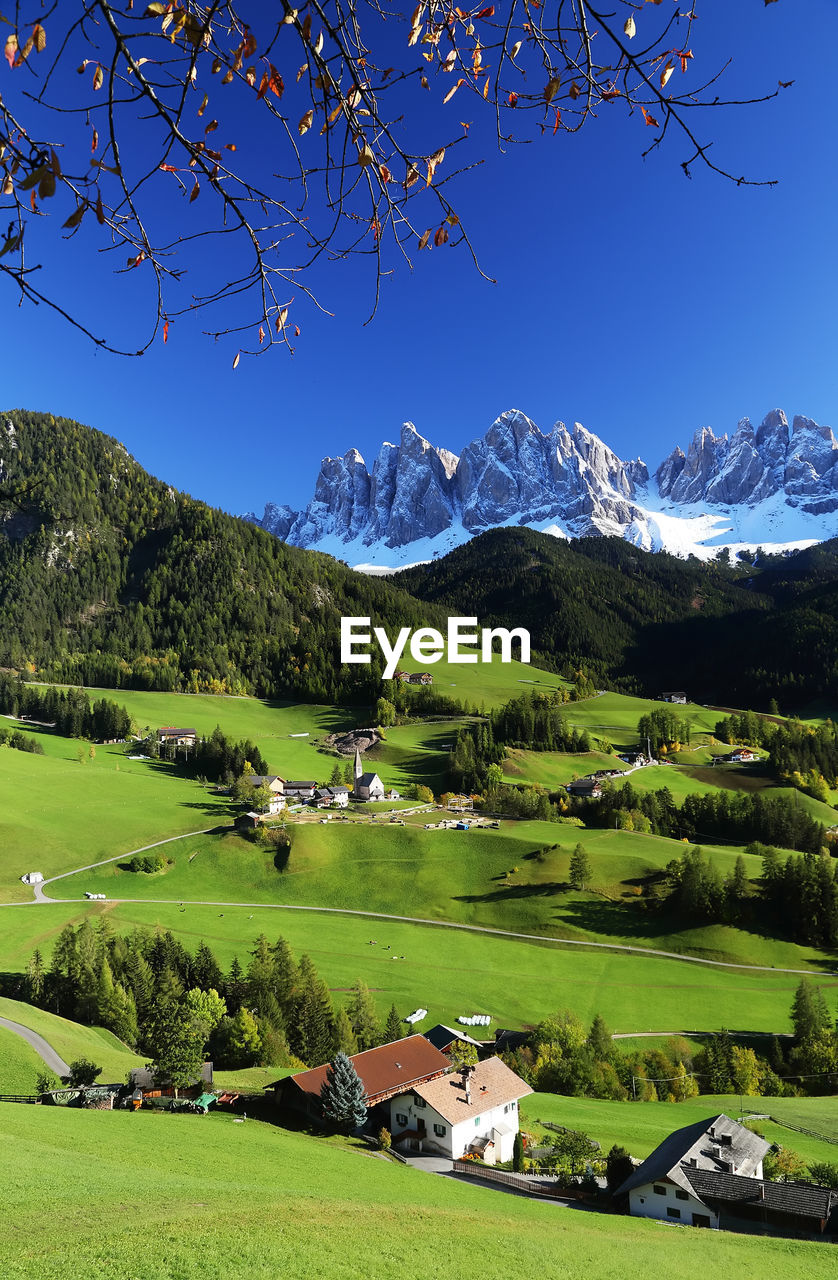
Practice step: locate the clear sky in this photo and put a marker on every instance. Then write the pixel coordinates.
(628, 298)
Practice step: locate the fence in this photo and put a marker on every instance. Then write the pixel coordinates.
(532, 1184)
(21, 1097)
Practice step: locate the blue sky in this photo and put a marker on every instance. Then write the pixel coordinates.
(628, 298)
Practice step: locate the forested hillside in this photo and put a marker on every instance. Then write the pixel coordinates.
(110, 577)
(644, 623)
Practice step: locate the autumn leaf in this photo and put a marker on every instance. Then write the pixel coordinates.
(666, 73)
(366, 156)
(423, 243)
(551, 89)
(574, 91)
(40, 37)
(98, 77)
(512, 100)
(166, 332)
(10, 51)
(236, 361)
(450, 94)
(100, 212)
(441, 236)
(630, 28)
(195, 192)
(75, 217)
(305, 123)
(649, 118)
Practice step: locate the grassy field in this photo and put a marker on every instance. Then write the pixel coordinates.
(641, 1126)
(159, 1197)
(19, 1064)
(486, 685)
(513, 879)
(452, 972)
(70, 1040)
(57, 813)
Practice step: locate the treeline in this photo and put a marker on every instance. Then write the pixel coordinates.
(804, 755)
(69, 711)
(562, 1056)
(533, 720)
(664, 730)
(165, 1001)
(111, 578)
(20, 741)
(720, 817)
(216, 758)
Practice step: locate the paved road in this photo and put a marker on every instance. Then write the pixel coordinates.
(41, 897)
(40, 1045)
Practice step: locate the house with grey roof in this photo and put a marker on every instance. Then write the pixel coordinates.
(667, 1185)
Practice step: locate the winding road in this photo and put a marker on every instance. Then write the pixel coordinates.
(42, 898)
(39, 1044)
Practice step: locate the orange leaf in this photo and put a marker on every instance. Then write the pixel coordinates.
(558, 119)
(649, 118)
(98, 77)
(166, 332)
(512, 100)
(10, 51)
(195, 192)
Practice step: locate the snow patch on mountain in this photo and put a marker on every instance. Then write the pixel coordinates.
(773, 486)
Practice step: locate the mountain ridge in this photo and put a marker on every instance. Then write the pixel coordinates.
(774, 486)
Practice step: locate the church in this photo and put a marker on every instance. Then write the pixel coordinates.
(368, 786)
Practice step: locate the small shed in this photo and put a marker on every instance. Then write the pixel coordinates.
(33, 877)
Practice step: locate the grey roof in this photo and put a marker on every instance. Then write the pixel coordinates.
(440, 1036)
(295, 786)
(333, 791)
(798, 1198)
(259, 780)
(700, 1142)
(367, 779)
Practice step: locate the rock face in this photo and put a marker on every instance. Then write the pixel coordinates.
(566, 480)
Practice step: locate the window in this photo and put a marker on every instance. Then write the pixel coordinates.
(680, 1195)
(672, 1212)
(419, 1102)
(439, 1130)
(659, 1191)
(400, 1118)
(477, 1122)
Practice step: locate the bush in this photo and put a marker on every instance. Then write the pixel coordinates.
(385, 1140)
(149, 864)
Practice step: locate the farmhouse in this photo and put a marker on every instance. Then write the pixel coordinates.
(679, 696)
(172, 737)
(587, 788)
(385, 1072)
(421, 677)
(473, 1110)
(368, 786)
(739, 755)
(667, 1186)
(325, 797)
(299, 790)
(142, 1082)
(460, 802)
(271, 780)
(32, 877)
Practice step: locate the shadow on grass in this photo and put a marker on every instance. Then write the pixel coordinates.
(511, 892)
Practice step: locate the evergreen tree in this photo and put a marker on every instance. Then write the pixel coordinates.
(599, 1039)
(35, 978)
(342, 1095)
(206, 970)
(580, 868)
(618, 1166)
(809, 1014)
(234, 987)
(393, 1029)
(518, 1153)
(344, 1035)
(364, 1017)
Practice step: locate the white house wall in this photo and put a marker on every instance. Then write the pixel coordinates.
(457, 1137)
(644, 1202)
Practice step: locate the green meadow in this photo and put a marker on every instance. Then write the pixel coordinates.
(156, 1196)
(641, 1126)
(19, 1064)
(514, 879)
(57, 812)
(452, 971)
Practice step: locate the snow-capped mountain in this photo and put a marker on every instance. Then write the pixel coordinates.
(771, 486)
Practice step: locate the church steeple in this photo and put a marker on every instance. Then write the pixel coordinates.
(359, 768)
